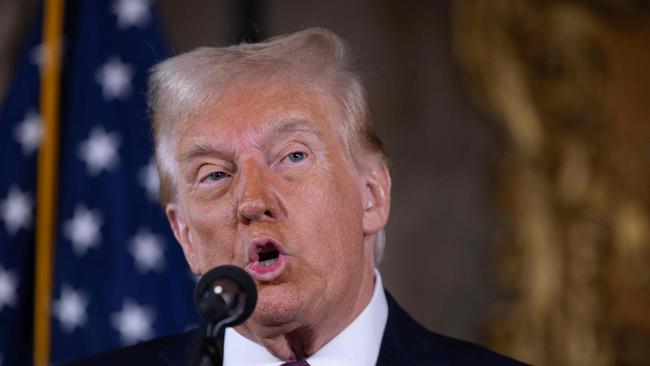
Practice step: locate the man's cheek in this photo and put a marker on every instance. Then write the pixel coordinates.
(211, 257)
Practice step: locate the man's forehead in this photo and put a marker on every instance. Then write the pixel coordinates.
(253, 113)
(290, 125)
(245, 101)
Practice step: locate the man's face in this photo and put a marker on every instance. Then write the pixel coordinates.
(264, 182)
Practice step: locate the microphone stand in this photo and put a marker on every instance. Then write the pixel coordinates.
(208, 350)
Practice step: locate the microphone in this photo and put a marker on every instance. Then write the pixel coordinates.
(225, 296)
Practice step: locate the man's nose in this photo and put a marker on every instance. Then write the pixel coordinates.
(256, 199)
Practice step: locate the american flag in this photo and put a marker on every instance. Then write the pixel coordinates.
(119, 277)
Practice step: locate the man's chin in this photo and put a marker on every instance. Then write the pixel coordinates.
(277, 306)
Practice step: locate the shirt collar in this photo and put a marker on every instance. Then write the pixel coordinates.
(357, 344)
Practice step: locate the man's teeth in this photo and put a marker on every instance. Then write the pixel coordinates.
(268, 261)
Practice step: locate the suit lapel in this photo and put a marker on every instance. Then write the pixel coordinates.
(179, 351)
(406, 342)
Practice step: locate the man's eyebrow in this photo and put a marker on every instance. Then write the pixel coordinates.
(201, 148)
(282, 127)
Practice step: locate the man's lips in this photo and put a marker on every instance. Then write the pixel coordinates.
(267, 259)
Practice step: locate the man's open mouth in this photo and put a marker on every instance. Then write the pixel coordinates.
(268, 254)
(267, 259)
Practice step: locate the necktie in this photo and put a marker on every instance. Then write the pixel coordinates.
(296, 363)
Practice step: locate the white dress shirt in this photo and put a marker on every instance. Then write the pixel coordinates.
(358, 344)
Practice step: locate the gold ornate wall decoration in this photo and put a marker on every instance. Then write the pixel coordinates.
(569, 84)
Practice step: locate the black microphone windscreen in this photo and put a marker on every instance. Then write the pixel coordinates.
(225, 294)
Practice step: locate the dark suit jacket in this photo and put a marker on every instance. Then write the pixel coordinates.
(405, 342)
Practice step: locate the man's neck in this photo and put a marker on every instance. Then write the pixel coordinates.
(302, 341)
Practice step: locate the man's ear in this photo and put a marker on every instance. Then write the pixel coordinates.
(376, 198)
(178, 222)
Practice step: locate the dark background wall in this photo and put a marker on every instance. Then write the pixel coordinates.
(438, 257)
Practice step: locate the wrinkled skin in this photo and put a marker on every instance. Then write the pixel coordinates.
(266, 161)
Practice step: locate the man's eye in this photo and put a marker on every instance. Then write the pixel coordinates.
(214, 176)
(296, 156)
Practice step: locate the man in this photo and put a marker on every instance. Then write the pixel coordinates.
(268, 161)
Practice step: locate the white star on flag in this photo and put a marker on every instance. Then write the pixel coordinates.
(70, 309)
(29, 132)
(133, 322)
(100, 151)
(115, 78)
(131, 13)
(147, 251)
(16, 210)
(83, 229)
(8, 285)
(148, 178)
(37, 54)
